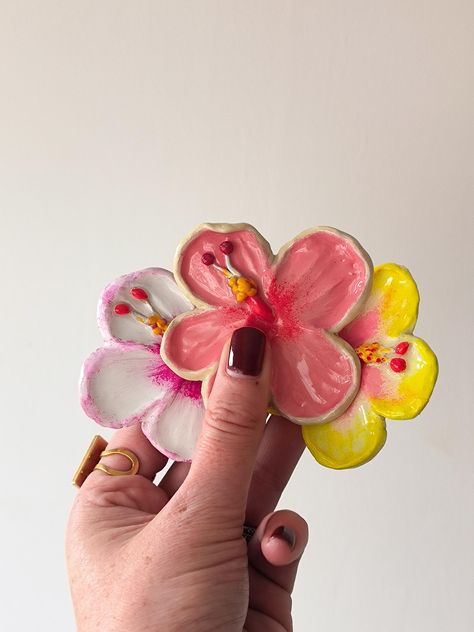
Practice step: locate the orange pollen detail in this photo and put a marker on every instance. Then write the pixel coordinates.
(242, 287)
(157, 323)
(372, 353)
(375, 353)
(154, 320)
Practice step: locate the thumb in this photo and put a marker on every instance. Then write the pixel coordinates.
(233, 423)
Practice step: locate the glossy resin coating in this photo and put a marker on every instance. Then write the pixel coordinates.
(301, 298)
(344, 357)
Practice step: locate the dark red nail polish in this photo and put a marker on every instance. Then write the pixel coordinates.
(286, 534)
(247, 349)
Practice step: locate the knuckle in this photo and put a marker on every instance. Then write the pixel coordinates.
(233, 417)
(102, 491)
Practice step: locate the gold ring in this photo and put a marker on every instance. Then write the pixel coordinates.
(134, 467)
(90, 461)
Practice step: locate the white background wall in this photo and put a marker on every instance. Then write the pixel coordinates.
(125, 124)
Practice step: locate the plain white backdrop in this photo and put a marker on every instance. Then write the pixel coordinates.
(122, 126)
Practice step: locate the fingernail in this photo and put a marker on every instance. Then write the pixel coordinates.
(286, 534)
(247, 349)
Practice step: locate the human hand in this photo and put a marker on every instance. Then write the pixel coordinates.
(168, 557)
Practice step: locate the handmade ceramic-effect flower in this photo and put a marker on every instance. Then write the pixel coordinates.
(399, 372)
(301, 298)
(126, 381)
(343, 354)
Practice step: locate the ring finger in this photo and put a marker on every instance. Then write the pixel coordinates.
(132, 438)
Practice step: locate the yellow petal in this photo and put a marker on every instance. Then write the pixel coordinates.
(395, 291)
(350, 440)
(404, 395)
(390, 310)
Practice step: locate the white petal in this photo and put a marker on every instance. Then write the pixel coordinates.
(118, 387)
(164, 294)
(176, 429)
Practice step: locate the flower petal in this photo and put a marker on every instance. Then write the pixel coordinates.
(193, 342)
(165, 296)
(391, 309)
(315, 376)
(403, 395)
(207, 386)
(175, 430)
(120, 383)
(352, 439)
(322, 278)
(204, 284)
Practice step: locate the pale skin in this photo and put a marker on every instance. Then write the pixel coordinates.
(146, 557)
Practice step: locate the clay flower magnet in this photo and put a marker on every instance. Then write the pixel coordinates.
(300, 298)
(399, 372)
(344, 357)
(126, 381)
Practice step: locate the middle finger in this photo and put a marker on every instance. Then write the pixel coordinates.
(280, 450)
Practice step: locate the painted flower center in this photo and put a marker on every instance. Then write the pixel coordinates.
(154, 319)
(243, 288)
(375, 353)
(161, 374)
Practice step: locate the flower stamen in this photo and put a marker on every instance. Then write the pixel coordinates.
(375, 353)
(123, 309)
(226, 247)
(140, 294)
(208, 259)
(398, 364)
(154, 320)
(402, 348)
(242, 287)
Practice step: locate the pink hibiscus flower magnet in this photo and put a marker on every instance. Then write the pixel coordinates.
(301, 298)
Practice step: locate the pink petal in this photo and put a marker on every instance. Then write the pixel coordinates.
(321, 279)
(120, 383)
(363, 328)
(315, 376)
(175, 430)
(164, 294)
(193, 342)
(372, 380)
(251, 256)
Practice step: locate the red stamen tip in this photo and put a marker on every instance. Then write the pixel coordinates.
(139, 293)
(208, 258)
(398, 365)
(121, 309)
(226, 247)
(402, 348)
